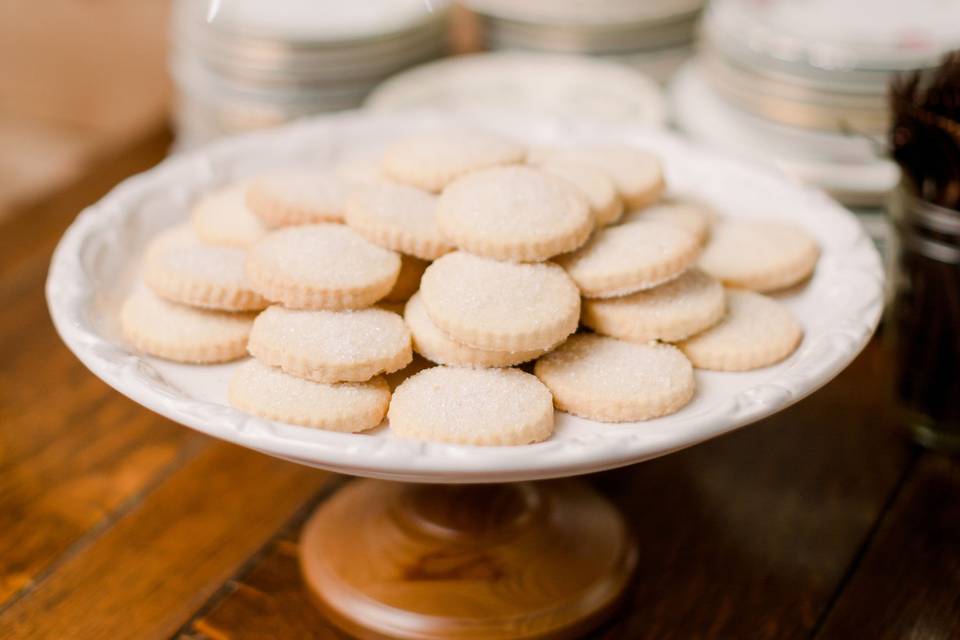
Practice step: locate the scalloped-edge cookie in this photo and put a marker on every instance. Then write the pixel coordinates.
(759, 255)
(331, 346)
(295, 196)
(322, 266)
(636, 174)
(612, 380)
(757, 331)
(183, 334)
(397, 217)
(472, 406)
(433, 160)
(625, 258)
(435, 345)
(690, 216)
(180, 268)
(595, 185)
(500, 306)
(222, 217)
(673, 311)
(514, 213)
(349, 407)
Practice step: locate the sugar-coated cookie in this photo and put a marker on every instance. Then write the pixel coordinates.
(180, 268)
(692, 217)
(433, 160)
(472, 406)
(408, 280)
(759, 255)
(222, 217)
(611, 380)
(501, 306)
(397, 217)
(757, 331)
(349, 407)
(514, 213)
(296, 196)
(435, 345)
(672, 311)
(322, 266)
(331, 346)
(183, 334)
(621, 259)
(636, 174)
(595, 185)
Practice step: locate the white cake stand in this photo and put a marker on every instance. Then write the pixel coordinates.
(520, 560)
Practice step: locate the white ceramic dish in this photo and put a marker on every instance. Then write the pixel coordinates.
(534, 83)
(96, 261)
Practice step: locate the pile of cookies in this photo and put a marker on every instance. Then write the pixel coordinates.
(532, 278)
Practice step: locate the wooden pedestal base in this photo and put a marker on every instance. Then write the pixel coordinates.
(519, 561)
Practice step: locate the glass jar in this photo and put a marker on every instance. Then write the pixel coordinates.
(925, 314)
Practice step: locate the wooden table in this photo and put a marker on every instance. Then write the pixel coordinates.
(821, 522)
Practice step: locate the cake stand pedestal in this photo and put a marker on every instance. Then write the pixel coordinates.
(520, 561)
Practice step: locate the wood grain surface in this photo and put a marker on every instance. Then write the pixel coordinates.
(821, 522)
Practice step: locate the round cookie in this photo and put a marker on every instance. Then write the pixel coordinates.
(757, 331)
(397, 217)
(605, 203)
(615, 381)
(501, 306)
(296, 196)
(673, 311)
(514, 213)
(434, 345)
(222, 217)
(180, 268)
(688, 216)
(183, 334)
(472, 406)
(759, 255)
(408, 281)
(331, 346)
(349, 407)
(431, 161)
(322, 266)
(630, 257)
(636, 174)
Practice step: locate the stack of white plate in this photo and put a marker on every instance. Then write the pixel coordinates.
(655, 36)
(804, 84)
(246, 64)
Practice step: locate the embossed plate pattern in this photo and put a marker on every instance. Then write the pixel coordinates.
(96, 261)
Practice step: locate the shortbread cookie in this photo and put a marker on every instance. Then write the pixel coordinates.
(397, 217)
(631, 257)
(615, 381)
(322, 266)
(759, 255)
(418, 364)
(222, 217)
(595, 185)
(431, 161)
(472, 406)
(514, 213)
(501, 306)
(757, 331)
(673, 311)
(435, 345)
(184, 334)
(182, 269)
(331, 346)
(296, 196)
(349, 407)
(408, 281)
(636, 174)
(691, 217)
